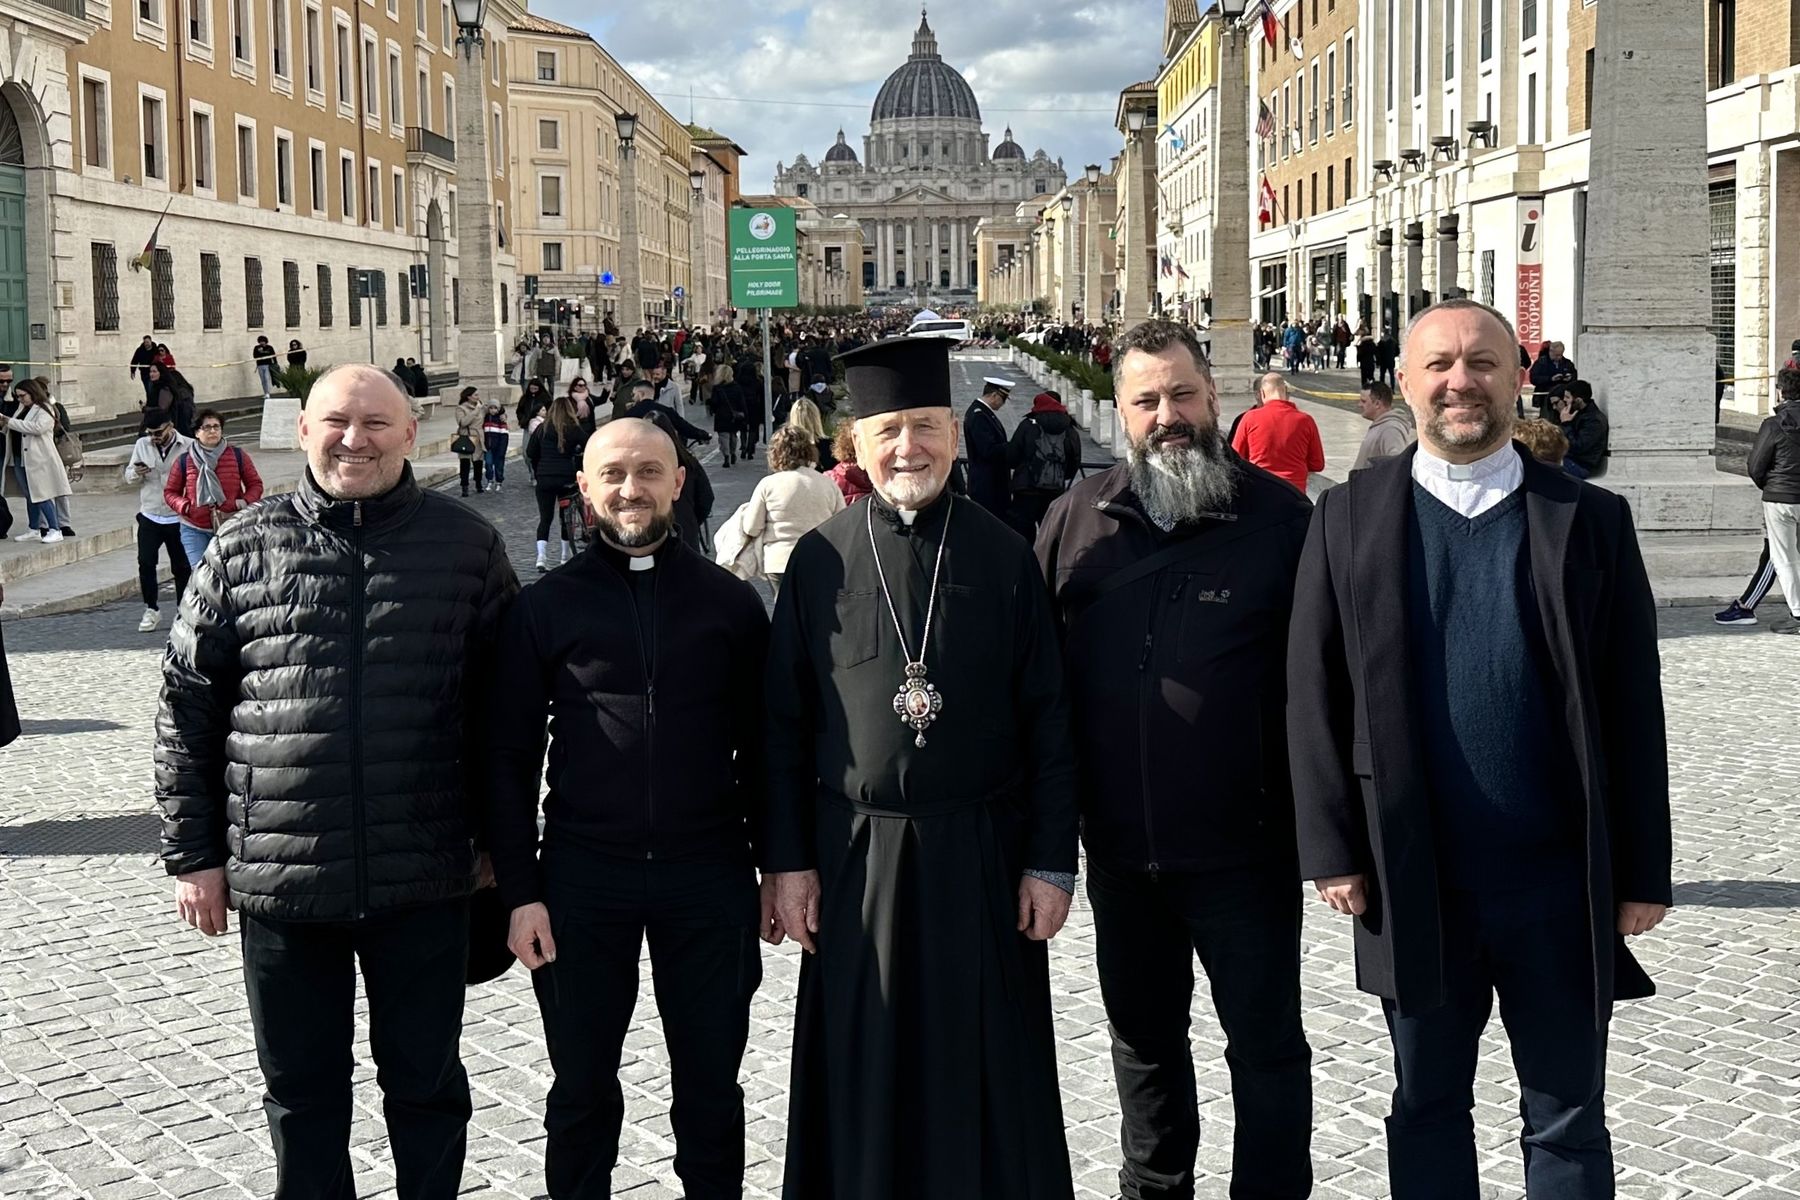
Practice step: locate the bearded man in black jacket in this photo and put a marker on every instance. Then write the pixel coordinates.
(1172, 576)
(629, 649)
(314, 749)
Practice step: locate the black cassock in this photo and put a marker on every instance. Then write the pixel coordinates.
(924, 1057)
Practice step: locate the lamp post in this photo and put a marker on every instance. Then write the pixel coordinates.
(631, 263)
(477, 343)
(1231, 332)
(1068, 293)
(698, 299)
(1090, 263)
(1135, 303)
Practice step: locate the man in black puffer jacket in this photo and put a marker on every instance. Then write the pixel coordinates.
(315, 755)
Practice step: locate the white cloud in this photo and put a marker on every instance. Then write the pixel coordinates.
(1053, 62)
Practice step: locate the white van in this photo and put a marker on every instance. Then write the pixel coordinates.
(956, 331)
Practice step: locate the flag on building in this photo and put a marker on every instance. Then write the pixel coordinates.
(1176, 141)
(142, 262)
(1298, 49)
(1180, 271)
(1270, 26)
(1265, 203)
(1265, 122)
(1165, 264)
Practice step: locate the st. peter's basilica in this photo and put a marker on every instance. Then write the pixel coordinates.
(924, 179)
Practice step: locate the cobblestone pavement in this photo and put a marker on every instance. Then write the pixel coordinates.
(127, 1067)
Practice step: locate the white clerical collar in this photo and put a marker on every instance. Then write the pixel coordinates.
(643, 562)
(907, 516)
(1488, 469)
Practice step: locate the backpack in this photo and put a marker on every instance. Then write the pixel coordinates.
(1045, 469)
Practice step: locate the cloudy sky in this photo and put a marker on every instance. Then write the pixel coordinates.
(1052, 70)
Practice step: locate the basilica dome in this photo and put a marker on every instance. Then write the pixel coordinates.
(840, 152)
(1008, 148)
(925, 86)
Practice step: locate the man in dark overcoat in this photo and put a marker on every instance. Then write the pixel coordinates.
(1480, 773)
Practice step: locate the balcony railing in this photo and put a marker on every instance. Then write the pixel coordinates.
(74, 8)
(421, 141)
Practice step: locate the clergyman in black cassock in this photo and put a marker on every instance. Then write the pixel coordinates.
(924, 1055)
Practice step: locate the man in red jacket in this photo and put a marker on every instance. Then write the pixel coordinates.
(1278, 437)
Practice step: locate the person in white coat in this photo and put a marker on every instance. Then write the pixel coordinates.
(45, 478)
(788, 503)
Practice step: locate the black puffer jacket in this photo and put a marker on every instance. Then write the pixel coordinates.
(555, 462)
(1774, 462)
(314, 736)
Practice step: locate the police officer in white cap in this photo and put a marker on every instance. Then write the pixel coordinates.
(990, 479)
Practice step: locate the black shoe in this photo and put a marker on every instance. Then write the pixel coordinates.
(465, 489)
(67, 532)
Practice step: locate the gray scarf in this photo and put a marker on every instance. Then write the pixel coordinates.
(208, 490)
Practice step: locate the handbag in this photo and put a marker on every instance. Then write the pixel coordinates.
(462, 445)
(68, 447)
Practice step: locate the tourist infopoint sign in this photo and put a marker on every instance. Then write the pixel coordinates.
(765, 272)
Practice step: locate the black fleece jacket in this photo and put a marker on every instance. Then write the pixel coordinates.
(655, 720)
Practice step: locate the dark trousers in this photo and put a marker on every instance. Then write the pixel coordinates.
(1531, 947)
(153, 539)
(1027, 511)
(301, 979)
(468, 465)
(701, 922)
(1245, 926)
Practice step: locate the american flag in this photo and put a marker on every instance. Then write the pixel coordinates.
(1265, 122)
(1165, 264)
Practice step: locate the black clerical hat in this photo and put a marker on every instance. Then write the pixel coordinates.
(898, 373)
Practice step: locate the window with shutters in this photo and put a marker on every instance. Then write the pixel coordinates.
(253, 293)
(356, 300)
(1487, 277)
(212, 305)
(404, 288)
(455, 301)
(162, 289)
(290, 293)
(324, 286)
(106, 285)
(379, 279)
(1487, 30)
(1527, 19)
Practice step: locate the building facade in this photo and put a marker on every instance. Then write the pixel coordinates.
(1443, 149)
(569, 184)
(285, 144)
(924, 180)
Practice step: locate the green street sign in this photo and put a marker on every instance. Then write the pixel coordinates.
(765, 271)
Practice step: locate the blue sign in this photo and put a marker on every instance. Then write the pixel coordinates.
(607, 279)
(679, 291)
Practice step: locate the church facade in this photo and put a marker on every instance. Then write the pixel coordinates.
(924, 180)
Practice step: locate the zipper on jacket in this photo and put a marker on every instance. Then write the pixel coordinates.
(647, 656)
(1146, 692)
(358, 639)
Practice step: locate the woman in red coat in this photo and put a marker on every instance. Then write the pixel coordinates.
(208, 483)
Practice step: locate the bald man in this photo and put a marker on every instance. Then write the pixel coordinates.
(650, 658)
(1277, 436)
(314, 748)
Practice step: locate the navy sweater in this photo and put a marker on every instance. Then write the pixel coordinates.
(1499, 766)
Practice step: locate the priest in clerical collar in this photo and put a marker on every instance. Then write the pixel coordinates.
(920, 827)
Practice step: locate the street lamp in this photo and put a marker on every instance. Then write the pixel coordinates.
(1134, 120)
(1067, 296)
(1093, 174)
(699, 295)
(631, 264)
(477, 350)
(697, 181)
(470, 16)
(1090, 262)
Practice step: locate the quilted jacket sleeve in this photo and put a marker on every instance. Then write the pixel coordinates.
(201, 674)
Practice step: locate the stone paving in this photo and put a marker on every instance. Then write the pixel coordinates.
(127, 1067)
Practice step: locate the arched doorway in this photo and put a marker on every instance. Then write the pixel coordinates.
(437, 283)
(15, 305)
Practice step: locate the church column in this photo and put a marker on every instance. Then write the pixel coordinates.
(882, 265)
(931, 253)
(956, 267)
(912, 270)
